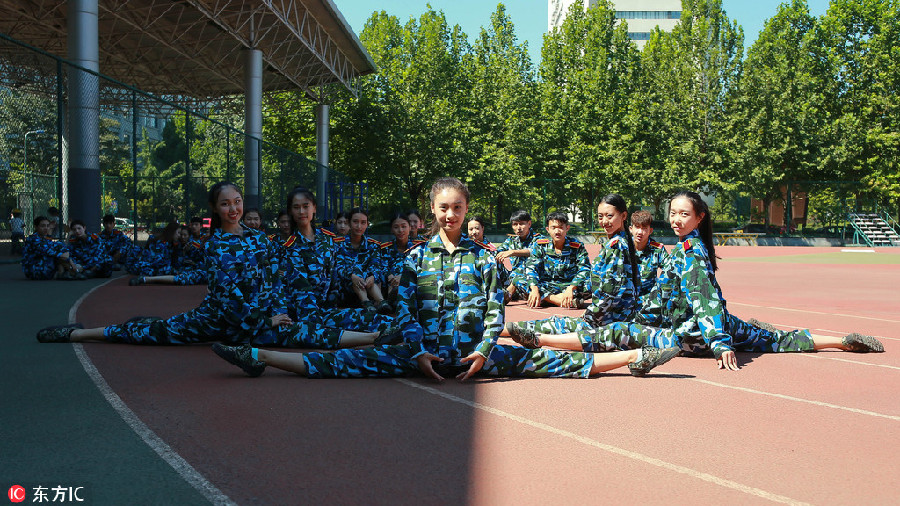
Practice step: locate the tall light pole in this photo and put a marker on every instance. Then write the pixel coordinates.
(25, 147)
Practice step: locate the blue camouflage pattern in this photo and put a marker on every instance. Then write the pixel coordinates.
(364, 260)
(553, 272)
(91, 254)
(117, 242)
(154, 259)
(39, 256)
(318, 258)
(651, 259)
(516, 275)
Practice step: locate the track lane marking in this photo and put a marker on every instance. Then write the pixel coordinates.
(740, 487)
(815, 312)
(797, 399)
(858, 362)
(187, 472)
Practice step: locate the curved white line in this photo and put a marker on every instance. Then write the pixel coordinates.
(609, 448)
(816, 312)
(170, 456)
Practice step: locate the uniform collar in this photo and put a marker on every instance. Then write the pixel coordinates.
(435, 243)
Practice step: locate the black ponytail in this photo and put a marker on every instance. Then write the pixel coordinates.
(618, 202)
(215, 220)
(705, 226)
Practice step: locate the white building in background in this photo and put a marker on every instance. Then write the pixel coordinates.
(641, 15)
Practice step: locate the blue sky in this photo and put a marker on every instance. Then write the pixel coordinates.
(530, 16)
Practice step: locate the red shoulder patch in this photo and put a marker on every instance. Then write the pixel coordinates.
(337, 239)
(487, 246)
(387, 244)
(374, 241)
(327, 232)
(95, 236)
(290, 242)
(656, 244)
(613, 242)
(686, 245)
(574, 244)
(416, 243)
(542, 241)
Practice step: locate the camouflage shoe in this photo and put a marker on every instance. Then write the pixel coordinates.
(652, 357)
(139, 280)
(390, 335)
(241, 357)
(525, 337)
(762, 325)
(860, 343)
(57, 334)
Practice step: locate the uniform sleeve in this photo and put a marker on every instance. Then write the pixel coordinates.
(408, 306)
(611, 282)
(704, 301)
(507, 245)
(276, 273)
(494, 312)
(533, 266)
(583, 274)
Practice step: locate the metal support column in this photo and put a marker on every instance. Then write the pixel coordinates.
(253, 68)
(322, 133)
(84, 114)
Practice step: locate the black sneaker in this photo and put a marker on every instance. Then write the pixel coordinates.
(136, 281)
(57, 334)
(652, 357)
(525, 337)
(390, 335)
(762, 325)
(860, 343)
(384, 307)
(240, 356)
(369, 306)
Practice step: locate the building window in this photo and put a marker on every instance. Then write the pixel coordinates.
(639, 35)
(648, 14)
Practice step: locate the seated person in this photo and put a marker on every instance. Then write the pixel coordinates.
(476, 227)
(358, 267)
(651, 254)
(155, 259)
(393, 253)
(342, 224)
(517, 248)
(284, 228)
(117, 243)
(558, 268)
(253, 219)
(88, 251)
(44, 258)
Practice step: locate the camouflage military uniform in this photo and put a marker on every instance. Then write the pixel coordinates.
(244, 291)
(393, 259)
(613, 297)
(193, 269)
(652, 260)
(276, 238)
(553, 272)
(450, 305)
(363, 261)
(516, 272)
(39, 257)
(91, 255)
(686, 309)
(318, 256)
(155, 259)
(116, 242)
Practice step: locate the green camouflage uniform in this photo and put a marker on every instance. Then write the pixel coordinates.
(518, 265)
(450, 305)
(686, 309)
(553, 272)
(652, 259)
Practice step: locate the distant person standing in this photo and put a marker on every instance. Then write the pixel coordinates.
(17, 229)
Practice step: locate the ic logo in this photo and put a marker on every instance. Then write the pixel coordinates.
(16, 493)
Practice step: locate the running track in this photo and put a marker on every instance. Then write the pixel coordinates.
(798, 428)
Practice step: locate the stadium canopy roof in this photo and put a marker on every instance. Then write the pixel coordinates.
(194, 47)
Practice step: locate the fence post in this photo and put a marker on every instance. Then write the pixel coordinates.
(187, 167)
(134, 167)
(60, 111)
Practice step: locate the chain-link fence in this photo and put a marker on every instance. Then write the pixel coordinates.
(157, 155)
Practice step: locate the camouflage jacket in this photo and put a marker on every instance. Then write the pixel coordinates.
(309, 265)
(652, 260)
(89, 252)
(364, 260)
(393, 259)
(116, 242)
(569, 266)
(154, 259)
(687, 298)
(613, 297)
(243, 278)
(194, 262)
(450, 304)
(39, 256)
(513, 242)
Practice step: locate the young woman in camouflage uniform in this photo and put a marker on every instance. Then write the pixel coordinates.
(359, 271)
(244, 302)
(393, 253)
(687, 310)
(612, 282)
(451, 312)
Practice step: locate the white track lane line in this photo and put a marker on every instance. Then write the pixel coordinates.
(170, 456)
(815, 312)
(858, 362)
(722, 482)
(798, 399)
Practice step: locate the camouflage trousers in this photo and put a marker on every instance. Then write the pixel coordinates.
(557, 325)
(393, 361)
(207, 324)
(553, 287)
(518, 280)
(303, 308)
(191, 276)
(745, 337)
